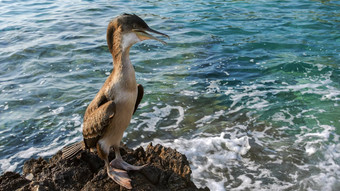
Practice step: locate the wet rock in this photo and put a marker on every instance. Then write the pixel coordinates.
(166, 169)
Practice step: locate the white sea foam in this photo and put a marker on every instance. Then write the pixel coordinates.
(58, 110)
(214, 87)
(48, 150)
(150, 120)
(6, 164)
(76, 119)
(283, 116)
(25, 154)
(249, 96)
(329, 167)
(208, 154)
(256, 100)
(144, 104)
(209, 118)
(189, 93)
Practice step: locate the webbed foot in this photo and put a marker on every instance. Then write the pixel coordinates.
(119, 163)
(121, 177)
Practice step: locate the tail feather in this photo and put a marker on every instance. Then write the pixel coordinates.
(72, 150)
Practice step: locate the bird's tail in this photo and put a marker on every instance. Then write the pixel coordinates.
(72, 150)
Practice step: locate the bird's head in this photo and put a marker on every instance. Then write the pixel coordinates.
(126, 30)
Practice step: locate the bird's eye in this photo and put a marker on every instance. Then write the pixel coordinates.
(134, 26)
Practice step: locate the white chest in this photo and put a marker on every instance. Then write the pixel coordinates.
(126, 97)
(123, 89)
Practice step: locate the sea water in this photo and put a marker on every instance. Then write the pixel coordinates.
(248, 90)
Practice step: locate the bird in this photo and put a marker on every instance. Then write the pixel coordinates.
(109, 113)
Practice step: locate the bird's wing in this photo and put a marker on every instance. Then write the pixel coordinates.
(140, 94)
(97, 118)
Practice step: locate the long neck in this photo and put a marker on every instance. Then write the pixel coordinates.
(123, 69)
(121, 60)
(119, 53)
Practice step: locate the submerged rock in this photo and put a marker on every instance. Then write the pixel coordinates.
(167, 169)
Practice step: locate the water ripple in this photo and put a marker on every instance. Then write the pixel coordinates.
(253, 84)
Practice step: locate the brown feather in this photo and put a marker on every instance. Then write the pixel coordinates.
(72, 150)
(139, 96)
(97, 118)
(109, 35)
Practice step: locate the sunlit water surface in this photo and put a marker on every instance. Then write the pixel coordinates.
(248, 90)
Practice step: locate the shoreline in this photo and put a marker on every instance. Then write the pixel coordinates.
(167, 169)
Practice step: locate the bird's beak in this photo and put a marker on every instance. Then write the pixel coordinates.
(143, 35)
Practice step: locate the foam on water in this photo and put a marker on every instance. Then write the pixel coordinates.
(58, 110)
(150, 120)
(215, 159)
(209, 118)
(10, 164)
(208, 155)
(270, 80)
(327, 177)
(189, 93)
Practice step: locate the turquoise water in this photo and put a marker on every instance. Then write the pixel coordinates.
(248, 90)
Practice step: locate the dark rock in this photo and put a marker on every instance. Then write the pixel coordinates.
(166, 169)
(12, 181)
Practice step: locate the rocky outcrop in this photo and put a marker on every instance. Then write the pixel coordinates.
(167, 169)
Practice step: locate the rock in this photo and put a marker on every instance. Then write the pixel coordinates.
(12, 181)
(167, 169)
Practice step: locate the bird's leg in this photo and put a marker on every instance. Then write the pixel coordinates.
(119, 176)
(119, 163)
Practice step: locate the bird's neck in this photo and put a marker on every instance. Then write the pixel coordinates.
(121, 58)
(123, 69)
